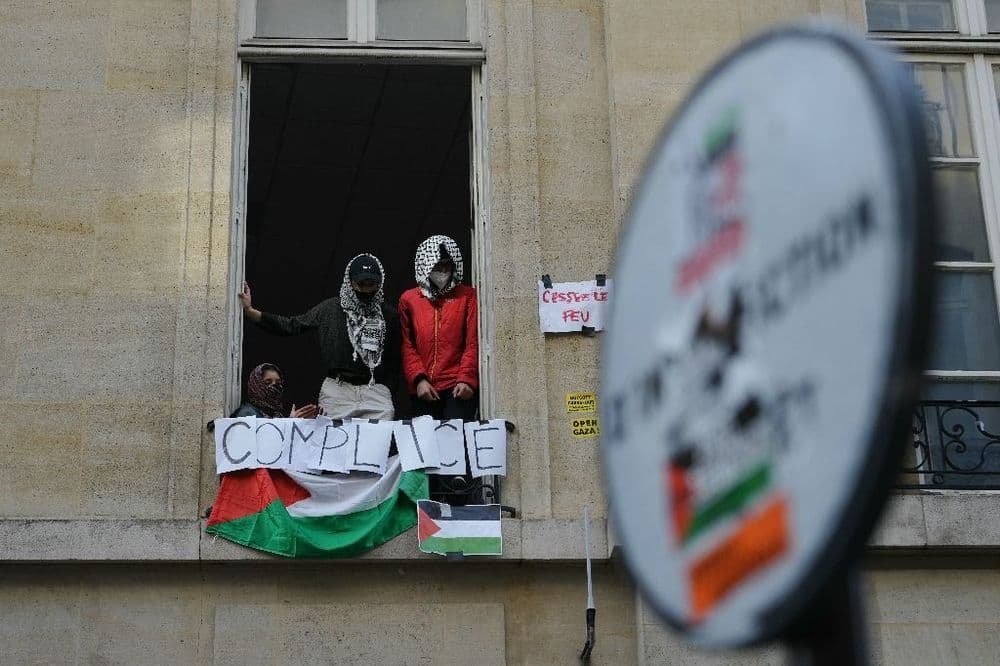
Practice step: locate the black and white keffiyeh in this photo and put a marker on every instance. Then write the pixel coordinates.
(365, 322)
(431, 251)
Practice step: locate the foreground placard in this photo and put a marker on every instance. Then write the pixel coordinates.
(763, 345)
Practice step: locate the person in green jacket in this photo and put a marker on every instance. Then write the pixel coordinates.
(359, 341)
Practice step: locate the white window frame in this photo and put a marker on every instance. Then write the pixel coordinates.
(472, 55)
(362, 27)
(977, 50)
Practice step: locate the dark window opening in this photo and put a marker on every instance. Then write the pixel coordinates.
(346, 159)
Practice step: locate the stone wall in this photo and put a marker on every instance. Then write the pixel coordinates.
(915, 616)
(115, 124)
(310, 614)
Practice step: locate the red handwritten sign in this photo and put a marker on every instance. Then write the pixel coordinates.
(567, 307)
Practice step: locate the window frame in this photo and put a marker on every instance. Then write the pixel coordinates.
(977, 51)
(250, 51)
(362, 29)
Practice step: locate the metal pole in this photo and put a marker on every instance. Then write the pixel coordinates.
(833, 632)
(588, 646)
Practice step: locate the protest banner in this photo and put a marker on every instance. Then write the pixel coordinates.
(569, 307)
(333, 445)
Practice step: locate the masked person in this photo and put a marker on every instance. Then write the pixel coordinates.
(265, 387)
(358, 338)
(439, 323)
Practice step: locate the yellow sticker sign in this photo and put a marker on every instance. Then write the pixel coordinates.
(586, 428)
(581, 402)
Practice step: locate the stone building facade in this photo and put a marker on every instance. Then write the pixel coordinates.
(122, 139)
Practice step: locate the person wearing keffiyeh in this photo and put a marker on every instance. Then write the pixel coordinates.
(265, 388)
(439, 323)
(359, 341)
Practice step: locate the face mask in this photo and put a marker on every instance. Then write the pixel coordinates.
(363, 297)
(440, 279)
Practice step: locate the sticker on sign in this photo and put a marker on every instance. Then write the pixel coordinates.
(752, 410)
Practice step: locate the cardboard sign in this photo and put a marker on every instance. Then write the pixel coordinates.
(588, 427)
(417, 443)
(450, 437)
(371, 440)
(581, 402)
(486, 443)
(569, 307)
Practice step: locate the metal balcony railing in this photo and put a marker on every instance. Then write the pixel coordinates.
(955, 445)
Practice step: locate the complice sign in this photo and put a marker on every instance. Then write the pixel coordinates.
(334, 445)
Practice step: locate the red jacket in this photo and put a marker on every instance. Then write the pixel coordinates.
(440, 338)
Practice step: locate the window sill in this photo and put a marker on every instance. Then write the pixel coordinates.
(139, 540)
(929, 43)
(939, 519)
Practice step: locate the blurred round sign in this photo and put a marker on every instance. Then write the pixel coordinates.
(762, 349)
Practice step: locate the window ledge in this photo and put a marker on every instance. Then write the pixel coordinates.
(297, 51)
(939, 519)
(47, 540)
(957, 44)
(140, 540)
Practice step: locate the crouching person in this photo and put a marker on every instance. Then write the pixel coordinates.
(263, 399)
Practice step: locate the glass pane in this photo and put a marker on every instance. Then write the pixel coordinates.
(956, 445)
(993, 15)
(961, 232)
(423, 20)
(996, 83)
(966, 331)
(910, 15)
(306, 19)
(946, 109)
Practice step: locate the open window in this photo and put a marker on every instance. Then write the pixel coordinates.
(359, 127)
(344, 159)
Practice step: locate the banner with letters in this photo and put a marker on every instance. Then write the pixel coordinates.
(322, 444)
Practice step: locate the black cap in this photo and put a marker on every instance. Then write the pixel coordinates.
(364, 268)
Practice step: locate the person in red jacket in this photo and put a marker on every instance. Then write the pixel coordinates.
(438, 320)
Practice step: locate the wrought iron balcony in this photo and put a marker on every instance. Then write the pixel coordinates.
(955, 444)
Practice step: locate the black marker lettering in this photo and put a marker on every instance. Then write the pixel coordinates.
(357, 439)
(225, 447)
(325, 448)
(445, 424)
(416, 443)
(475, 445)
(280, 434)
(302, 435)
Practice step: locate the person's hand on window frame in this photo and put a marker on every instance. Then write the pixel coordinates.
(246, 300)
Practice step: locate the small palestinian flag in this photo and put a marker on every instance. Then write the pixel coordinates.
(470, 530)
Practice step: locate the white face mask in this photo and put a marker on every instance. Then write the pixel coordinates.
(440, 279)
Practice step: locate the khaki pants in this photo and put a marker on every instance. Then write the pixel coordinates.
(341, 400)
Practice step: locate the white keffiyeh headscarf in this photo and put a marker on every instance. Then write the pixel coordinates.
(365, 322)
(431, 251)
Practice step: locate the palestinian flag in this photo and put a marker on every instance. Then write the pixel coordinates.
(297, 514)
(470, 530)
